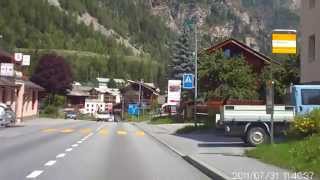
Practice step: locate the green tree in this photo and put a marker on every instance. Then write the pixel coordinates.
(181, 61)
(112, 83)
(222, 77)
(283, 75)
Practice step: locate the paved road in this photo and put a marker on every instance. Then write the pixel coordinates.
(84, 150)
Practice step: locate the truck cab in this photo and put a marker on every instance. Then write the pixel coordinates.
(305, 98)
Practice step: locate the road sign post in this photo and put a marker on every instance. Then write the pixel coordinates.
(270, 107)
(188, 81)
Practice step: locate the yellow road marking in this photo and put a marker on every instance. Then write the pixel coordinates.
(140, 133)
(86, 130)
(120, 132)
(48, 130)
(67, 130)
(103, 132)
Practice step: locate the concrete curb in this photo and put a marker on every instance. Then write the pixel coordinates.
(203, 167)
(206, 169)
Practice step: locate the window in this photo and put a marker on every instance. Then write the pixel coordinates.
(312, 4)
(4, 95)
(227, 53)
(312, 48)
(310, 96)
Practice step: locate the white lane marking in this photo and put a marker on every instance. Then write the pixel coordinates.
(34, 174)
(75, 145)
(68, 150)
(61, 155)
(100, 127)
(50, 163)
(79, 142)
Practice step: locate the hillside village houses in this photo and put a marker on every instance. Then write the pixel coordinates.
(90, 99)
(16, 90)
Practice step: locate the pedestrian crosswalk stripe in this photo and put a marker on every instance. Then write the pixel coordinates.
(86, 130)
(48, 130)
(67, 130)
(139, 133)
(121, 132)
(103, 131)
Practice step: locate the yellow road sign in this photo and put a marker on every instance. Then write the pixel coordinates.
(284, 42)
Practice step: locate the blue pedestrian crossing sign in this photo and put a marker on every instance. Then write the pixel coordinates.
(133, 109)
(188, 81)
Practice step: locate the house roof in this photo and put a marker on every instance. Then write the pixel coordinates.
(79, 90)
(5, 56)
(7, 81)
(145, 85)
(103, 80)
(260, 56)
(33, 85)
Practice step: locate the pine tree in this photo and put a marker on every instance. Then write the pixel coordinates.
(181, 61)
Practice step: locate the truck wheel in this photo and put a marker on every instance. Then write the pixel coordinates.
(257, 136)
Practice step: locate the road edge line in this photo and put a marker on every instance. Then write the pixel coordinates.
(214, 174)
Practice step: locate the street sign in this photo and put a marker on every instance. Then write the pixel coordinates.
(7, 69)
(188, 81)
(284, 41)
(26, 60)
(133, 109)
(18, 57)
(174, 92)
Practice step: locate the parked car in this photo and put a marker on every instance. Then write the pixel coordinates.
(7, 116)
(70, 115)
(104, 116)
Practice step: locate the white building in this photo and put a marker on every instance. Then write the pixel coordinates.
(94, 105)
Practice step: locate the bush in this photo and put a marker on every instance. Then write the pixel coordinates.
(306, 125)
(162, 120)
(51, 111)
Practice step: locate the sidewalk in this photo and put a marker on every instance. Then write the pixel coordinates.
(218, 156)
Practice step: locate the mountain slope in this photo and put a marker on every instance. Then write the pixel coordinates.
(248, 20)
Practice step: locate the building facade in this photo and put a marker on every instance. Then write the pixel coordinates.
(232, 47)
(18, 92)
(310, 42)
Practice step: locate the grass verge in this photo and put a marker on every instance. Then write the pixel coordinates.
(193, 128)
(162, 120)
(298, 155)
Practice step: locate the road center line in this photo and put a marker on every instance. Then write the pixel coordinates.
(34, 174)
(50, 163)
(61, 155)
(75, 145)
(79, 142)
(69, 149)
(100, 127)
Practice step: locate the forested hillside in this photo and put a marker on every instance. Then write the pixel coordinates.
(132, 39)
(36, 27)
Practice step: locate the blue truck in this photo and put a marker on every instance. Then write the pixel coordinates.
(305, 98)
(252, 122)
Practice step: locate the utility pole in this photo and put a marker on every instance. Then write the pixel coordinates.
(196, 73)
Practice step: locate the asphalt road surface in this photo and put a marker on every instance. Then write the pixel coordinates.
(85, 150)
